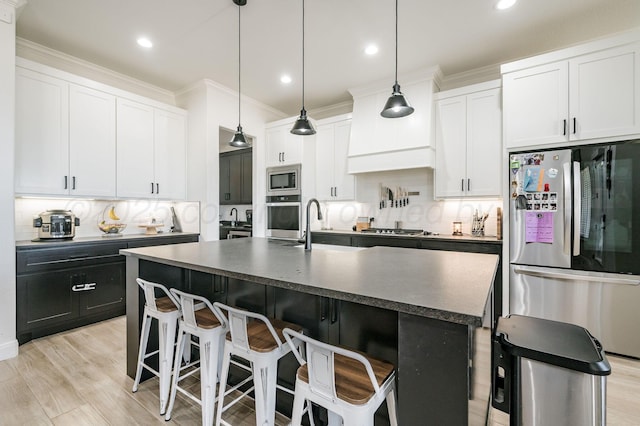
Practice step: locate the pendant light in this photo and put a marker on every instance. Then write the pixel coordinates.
(397, 105)
(239, 140)
(302, 126)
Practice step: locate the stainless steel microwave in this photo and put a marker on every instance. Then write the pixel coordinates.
(284, 180)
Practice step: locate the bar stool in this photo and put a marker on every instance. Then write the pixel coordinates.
(347, 383)
(259, 340)
(202, 320)
(166, 310)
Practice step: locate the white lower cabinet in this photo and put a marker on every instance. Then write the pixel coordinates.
(151, 152)
(333, 183)
(468, 142)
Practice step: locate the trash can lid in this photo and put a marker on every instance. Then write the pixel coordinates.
(552, 342)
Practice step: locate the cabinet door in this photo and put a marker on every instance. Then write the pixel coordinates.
(169, 153)
(484, 144)
(92, 142)
(536, 103)
(135, 175)
(451, 135)
(44, 299)
(225, 179)
(282, 147)
(235, 178)
(247, 178)
(275, 141)
(345, 183)
(605, 93)
(42, 134)
(101, 288)
(325, 162)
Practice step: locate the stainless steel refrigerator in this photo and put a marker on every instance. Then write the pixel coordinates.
(575, 239)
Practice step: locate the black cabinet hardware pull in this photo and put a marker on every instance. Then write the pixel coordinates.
(157, 188)
(66, 182)
(574, 126)
(73, 182)
(333, 311)
(462, 184)
(564, 127)
(468, 184)
(152, 187)
(323, 308)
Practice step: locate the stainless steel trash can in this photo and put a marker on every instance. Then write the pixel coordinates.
(548, 373)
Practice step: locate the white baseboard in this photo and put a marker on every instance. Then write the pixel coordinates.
(8, 350)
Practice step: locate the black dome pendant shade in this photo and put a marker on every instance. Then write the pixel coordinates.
(239, 141)
(302, 126)
(397, 105)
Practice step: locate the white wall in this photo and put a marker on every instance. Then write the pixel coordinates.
(422, 212)
(8, 342)
(210, 107)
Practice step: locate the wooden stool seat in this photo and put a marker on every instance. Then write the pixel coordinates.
(260, 337)
(352, 381)
(206, 319)
(164, 304)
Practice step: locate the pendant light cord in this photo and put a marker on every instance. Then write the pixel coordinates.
(239, 68)
(303, 54)
(396, 76)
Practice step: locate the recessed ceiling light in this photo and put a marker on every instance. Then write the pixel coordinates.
(371, 49)
(285, 79)
(145, 42)
(505, 4)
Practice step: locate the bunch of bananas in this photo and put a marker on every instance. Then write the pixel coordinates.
(112, 227)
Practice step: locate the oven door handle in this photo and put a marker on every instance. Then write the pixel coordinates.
(285, 204)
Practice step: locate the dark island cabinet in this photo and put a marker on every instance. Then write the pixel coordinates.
(236, 177)
(63, 286)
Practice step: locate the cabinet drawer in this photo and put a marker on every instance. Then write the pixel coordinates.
(56, 258)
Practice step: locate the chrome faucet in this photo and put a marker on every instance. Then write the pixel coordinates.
(234, 223)
(307, 233)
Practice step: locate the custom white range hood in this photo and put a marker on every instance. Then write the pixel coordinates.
(378, 143)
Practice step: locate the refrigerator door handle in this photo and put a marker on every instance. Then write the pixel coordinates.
(577, 207)
(567, 209)
(561, 275)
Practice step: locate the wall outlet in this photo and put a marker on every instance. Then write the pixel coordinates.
(6, 14)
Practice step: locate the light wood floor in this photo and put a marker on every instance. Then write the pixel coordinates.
(78, 378)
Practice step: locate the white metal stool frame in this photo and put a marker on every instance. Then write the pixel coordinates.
(321, 388)
(264, 366)
(211, 343)
(167, 323)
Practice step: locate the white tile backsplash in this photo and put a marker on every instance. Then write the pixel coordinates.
(422, 212)
(91, 212)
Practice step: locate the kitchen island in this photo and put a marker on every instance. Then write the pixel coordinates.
(421, 309)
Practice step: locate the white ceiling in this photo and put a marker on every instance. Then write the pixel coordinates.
(196, 39)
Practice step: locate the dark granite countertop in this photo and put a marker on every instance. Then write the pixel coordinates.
(465, 237)
(446, 285)
(29, 244)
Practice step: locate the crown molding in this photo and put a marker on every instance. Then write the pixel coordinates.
(36, 52)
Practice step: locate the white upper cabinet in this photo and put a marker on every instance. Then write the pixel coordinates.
(65, 138)
(333, 183)
(170, 145)
(42, 134)
(580, 97)
(283, 147)
(151, 152)
(136, 177)
(92, 142)
(468, 128)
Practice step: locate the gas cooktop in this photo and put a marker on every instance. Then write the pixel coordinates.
(392, 231)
